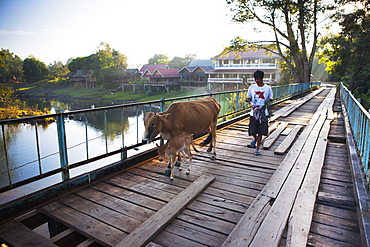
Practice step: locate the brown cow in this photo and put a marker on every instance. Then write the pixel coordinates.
(177, 145)
(192, 117)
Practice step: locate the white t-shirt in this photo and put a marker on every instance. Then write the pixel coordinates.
(258, 96)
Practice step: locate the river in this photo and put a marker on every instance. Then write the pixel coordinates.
(104, 135)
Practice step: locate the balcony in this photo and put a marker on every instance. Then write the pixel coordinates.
(225, 80)
(245, 66)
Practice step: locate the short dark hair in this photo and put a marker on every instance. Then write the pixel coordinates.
(258, 74)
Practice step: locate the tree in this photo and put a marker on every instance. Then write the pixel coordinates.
(12, 69)
(159, 59)
(294, 41)
(179, 62)
(347, 54)
(34, 70)
(105, 62)
(58, 69)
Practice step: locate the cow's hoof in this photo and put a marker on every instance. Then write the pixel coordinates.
(209, 150)
(213, 157)
(177, 164)
(167, 172)
(171, 177)
(187, 172)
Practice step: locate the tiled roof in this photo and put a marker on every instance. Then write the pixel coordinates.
(244, 55)
(193, 68)
(152, 67)
(78, 73)
(162, 73)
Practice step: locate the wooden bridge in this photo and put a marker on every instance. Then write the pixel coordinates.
(300, 192)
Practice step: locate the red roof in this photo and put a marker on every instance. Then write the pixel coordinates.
(152, 67)
(162, 73)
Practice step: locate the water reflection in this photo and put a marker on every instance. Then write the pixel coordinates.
(87, 135)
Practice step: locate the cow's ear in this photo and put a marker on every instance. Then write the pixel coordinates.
(150, 114)
(163, 116)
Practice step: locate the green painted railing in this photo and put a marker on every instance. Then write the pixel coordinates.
(359, 120)
(232, 103)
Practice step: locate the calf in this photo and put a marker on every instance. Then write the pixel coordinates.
(178, 144)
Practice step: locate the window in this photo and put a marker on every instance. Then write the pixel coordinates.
(268, 60)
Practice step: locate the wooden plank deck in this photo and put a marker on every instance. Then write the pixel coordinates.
(253, 200)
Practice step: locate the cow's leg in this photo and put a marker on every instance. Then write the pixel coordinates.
(190, 160)
(213, 143)
(172, 160)
(207, 140)
(167, 172)
(183, 161)
(178, 162)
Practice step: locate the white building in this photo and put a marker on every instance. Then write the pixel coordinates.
(238, 68)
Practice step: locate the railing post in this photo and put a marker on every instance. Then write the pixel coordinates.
(161, 105)
(62, 144)
(237, 101)
(161, 109)
(6, 156)
(124, 150)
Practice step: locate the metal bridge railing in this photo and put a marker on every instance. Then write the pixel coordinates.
(66, 144)
(359, 120)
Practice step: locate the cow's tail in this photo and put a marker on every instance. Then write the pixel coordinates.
(207, 140)
(192, 144)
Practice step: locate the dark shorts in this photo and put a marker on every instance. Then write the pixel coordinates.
(257, 128)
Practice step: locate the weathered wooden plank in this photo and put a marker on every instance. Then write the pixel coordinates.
(285, 111)
(335, 199)
(274, 135)
(269, 234)
(17, 234)
(287, 131)
(301, 215)
(92, 228)
(288, 140)
(166, 238)
(337, 233)
(150, 228)
(206, 221)
(272, 188)
(243, 232)
(199, 234)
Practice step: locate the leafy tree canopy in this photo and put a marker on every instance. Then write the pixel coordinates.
(293, 25)
(347, 55)
(12, 67)
(58, 69)
(104, 57)
(34, 70)
(159, 59)
(179, 62)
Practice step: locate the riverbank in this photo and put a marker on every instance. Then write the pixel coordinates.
(81, 93)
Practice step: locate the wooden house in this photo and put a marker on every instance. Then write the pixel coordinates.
(81, 78)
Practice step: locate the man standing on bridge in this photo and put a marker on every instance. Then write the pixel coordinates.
(259, 94)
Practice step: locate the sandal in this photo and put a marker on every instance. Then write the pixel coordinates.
(257, 153)
(252, 145)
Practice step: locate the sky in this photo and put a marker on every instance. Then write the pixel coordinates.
(56, 30)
